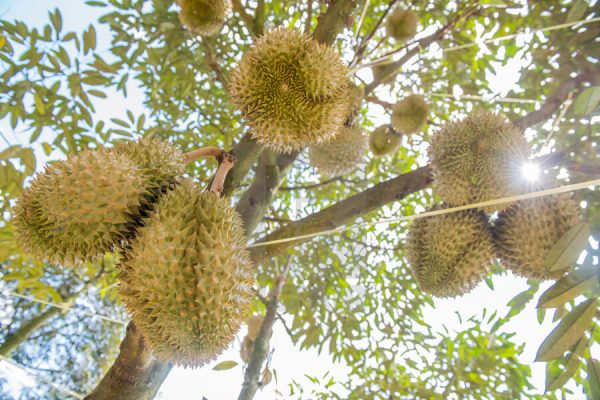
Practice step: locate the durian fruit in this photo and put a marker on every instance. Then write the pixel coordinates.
(402, 24)
(292, 90)
(477, 159)
(341, 154)
(528, 229)
(204, 17)
(187, 278)
(450, 253)
(378, 71)
(410, 114)
(91, 203)
(384, 140)
(357, 94)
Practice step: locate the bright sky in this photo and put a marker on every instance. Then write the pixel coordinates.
(291, 364)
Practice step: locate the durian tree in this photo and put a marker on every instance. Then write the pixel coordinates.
(282, 229)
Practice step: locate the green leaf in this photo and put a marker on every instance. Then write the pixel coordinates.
(566, 251)
(576, 11)
(120, 122)
(587, 101)
(89, 39)
(56, 19)
(567, 332)
(593, 383)
(570, 286)
(225, 365)
(571, 363)
(39, 104)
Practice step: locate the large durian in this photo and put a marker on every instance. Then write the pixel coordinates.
(477, 159)
(384, 140)
(341, 154)
(187, 279)
(292, 90)
(402, 24)
(410, 114)
(91, 202)
(528, 229)
(204, 17)
(450, 253)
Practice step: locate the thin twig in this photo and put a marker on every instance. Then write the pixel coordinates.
(210, 151)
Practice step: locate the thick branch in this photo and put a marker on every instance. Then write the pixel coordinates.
(247, 18)
(261, 344)
(333, 20)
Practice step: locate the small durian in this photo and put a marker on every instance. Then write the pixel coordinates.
(378, 71)
(477, 159)
(341, 154)
(528, 229)
(410, 114)
(204, 17)
(357, 94)
(384, 140)
(450, 254)
(90, 203)
(187, 277)
(402, 24)
(79, 208)
(292, 90)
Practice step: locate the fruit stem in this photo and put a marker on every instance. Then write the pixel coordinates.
(226, 162)
(210, 151)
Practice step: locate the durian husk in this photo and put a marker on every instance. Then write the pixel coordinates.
(204, 17)
(187, 278)
(91, 203)
(525, 233)
(79, 208)
(292, 90)
(340, 155)
(410, 114)
(384, 140)
(478, 159)
(450, 254)
(402, 24)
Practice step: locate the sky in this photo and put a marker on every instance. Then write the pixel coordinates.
(291, 364)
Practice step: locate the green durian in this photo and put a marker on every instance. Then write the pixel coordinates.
(477, 159)
(384, 140)
(187, 278)
(292, 90)
(410, 114)
(378, 71)
(526, 231)
(91, 203)
(450, 254)
(402, 24)
(341, 154)
(204, 17)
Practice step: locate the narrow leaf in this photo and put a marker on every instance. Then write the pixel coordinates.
(571, 364)
(566, 251)
(587, 101)
(225, 365)
(576, 11)
(593, 370)
(570, 286)
(567, 332)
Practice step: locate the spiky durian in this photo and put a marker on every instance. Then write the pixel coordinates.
(384, 140)
(379, 72)
(527, 230)
(187, 279)
(90, 203)
(341, 154)
(292, 90)
(402, 24)
(410, 114)
(477, 159)
(450, 253)
(204, 17)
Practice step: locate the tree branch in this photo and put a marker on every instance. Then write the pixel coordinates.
(247, 18)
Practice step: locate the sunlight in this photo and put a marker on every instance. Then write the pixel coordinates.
(530, 171)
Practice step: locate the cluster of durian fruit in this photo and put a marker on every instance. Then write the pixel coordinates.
(476, 160)
(185, 274)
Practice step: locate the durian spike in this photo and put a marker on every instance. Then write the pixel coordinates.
(227, 161)
(210, 151)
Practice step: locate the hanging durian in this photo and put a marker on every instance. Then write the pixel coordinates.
(477, 159)
(450, 253)
(357, 93)
(384, 140)
(187, 279)
(341, 154)
(204, 17)
(292, 90)
(378, 71)
(528, 229)
(402, 24)
(410, 114)
(91, 203)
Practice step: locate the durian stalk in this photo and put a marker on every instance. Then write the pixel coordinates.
(227, 162)
(210, 151)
